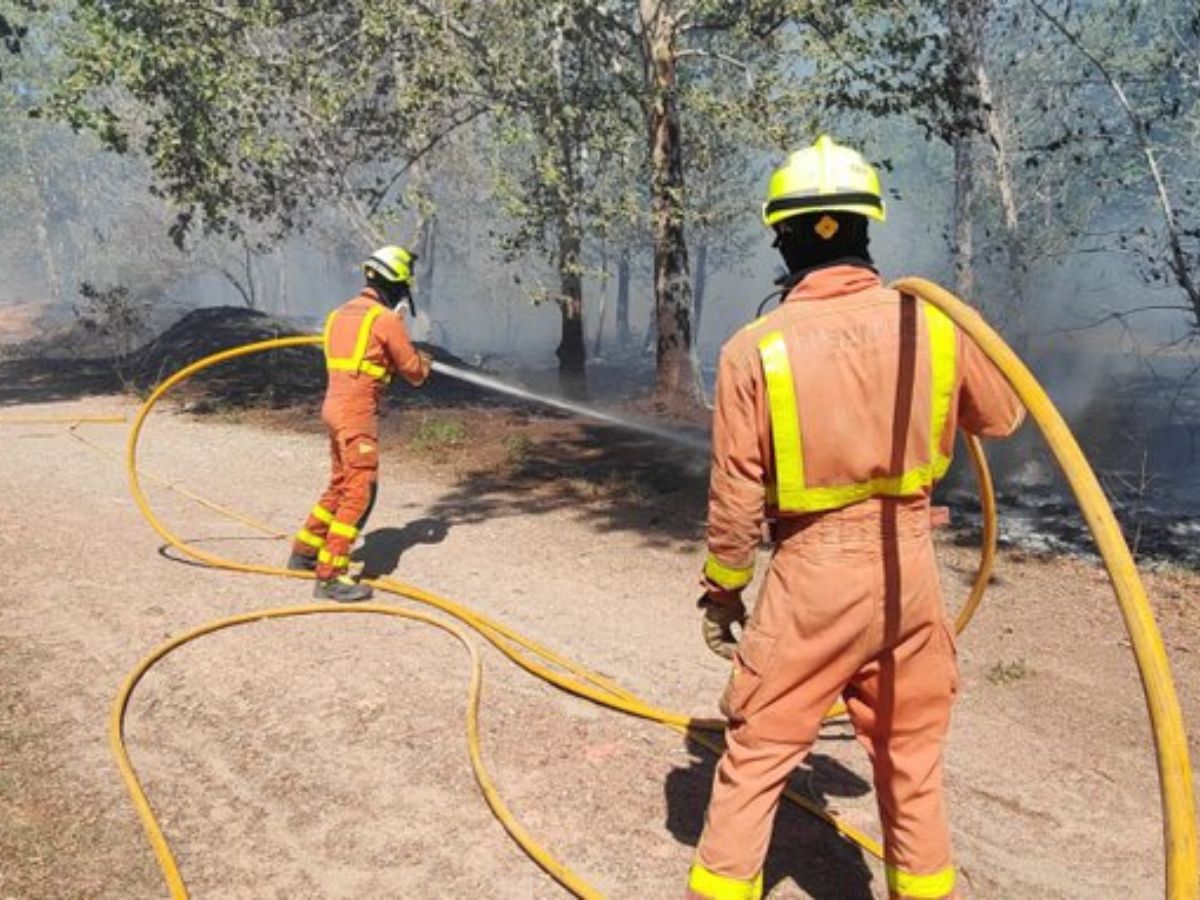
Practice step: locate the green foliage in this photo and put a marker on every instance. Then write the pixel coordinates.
(14, 30)
(261, 111)
(434, 434)
(552, 127)
(1003, 673)
(1099, 106)
(114, 315)
(517, 448)
(70, 211)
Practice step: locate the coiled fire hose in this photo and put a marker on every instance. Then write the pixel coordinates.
(1178, 822)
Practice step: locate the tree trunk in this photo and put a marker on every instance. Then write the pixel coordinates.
(968, 30)
(37, 178)
(964, 204)
(282, 262)
(427, 242)
(678, 381)
(1014, 240)
(244, 283)
(598, 342)
(965, 51)
(623, 335)
(650, 341)
(701, 281)
(572, 351)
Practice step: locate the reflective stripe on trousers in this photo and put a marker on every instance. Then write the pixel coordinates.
(921, 887)
(711, 886)
(306, 537)
(340, 563)
(341, 529)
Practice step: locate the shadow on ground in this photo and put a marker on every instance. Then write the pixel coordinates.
(803, 848)
(382, 548)
(614, 479)
(609, 478)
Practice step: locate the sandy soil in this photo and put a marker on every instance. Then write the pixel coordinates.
(326, 757)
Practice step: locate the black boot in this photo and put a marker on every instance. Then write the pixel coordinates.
(299, 562)
(342, 589)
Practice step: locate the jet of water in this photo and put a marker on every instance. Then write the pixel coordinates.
(679, 438)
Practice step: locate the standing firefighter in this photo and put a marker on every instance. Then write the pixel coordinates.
(835, 416)
(366, 343)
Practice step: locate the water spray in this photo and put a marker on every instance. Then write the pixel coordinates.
(679, 438)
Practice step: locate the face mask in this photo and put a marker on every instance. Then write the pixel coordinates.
(402, 298)
(396, 296)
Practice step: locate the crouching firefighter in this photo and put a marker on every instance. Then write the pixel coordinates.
(365, 344)
(835, 416)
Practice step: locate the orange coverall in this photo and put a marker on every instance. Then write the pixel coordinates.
(356, 381)
(851, 605)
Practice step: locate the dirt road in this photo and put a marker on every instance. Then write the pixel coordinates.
(325, 757)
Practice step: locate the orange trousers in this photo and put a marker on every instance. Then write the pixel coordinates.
(851, 607)
(334, 523)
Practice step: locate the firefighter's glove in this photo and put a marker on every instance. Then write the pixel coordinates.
(426, 364)
(722, 610)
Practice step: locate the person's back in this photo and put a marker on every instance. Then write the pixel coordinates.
(373, 341)
(834, 419)
(876, 384)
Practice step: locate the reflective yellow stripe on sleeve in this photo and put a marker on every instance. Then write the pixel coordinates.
(341, 529)
(785, 420)
(925, 887)
(719, 887)
(728, 577)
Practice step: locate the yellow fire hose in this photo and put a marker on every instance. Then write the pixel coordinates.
(585, 683)
(1166, 720)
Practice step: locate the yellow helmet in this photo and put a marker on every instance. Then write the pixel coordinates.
(392, 263)
(825, 177)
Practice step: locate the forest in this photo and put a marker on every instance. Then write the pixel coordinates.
(603, 159)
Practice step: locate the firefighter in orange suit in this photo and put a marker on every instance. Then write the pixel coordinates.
(835, 416)
(365, 343)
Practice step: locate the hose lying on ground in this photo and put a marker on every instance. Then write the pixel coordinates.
(1174, 766)
(534, 658)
